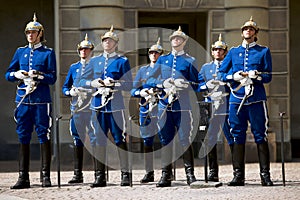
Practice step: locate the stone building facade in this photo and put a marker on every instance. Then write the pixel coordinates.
(202, 20)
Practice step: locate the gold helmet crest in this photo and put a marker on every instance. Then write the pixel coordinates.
(85, 44)
(110, 34)
(156, 47)
(34, 25)
(252, 24)
(219, 44)
(178, 33)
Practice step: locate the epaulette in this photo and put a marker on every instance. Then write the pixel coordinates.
(190, 57)
(234, 47)
(23, 47)
(122, 56)
(263, 46)
(144, 66)
(47, 47)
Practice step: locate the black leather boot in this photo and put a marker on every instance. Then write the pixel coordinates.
(46, 162)
(238, 163)
(149, 176)
(213, 165)
(188, 159)
(24, 157)
(166, 159)
(123, 157)
(264, 163)
(166, 178)
(99, 166)
(78, 162)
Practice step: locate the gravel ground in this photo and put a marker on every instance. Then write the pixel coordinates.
(178, 190)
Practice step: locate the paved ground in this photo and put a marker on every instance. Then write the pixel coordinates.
(179, 189)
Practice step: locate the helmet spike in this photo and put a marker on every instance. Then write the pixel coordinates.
(110, 34)
(158, 41)
(250, 23)
(156, 47)
(219, 44)
(34, 17)
(85, 43)
(178, 33)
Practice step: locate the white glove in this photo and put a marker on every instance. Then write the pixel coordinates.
(168, 83)
(179, 82)
(109, 82)
(21, 74)
(210, 84)
(216, 96)
(253, 74)
(144, 92)
(74, 91)
(137, 93)
(35, 74)
(237, 76)
(97, 83)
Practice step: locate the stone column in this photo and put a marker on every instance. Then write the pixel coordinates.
(96, 17)
(239, 12)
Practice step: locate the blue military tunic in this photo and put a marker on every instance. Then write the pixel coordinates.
(111, 116)
(79, 120)
(33, 109)
(256, 57)
(176, 115)
(148, 119)
(245, 58)
(220, 115)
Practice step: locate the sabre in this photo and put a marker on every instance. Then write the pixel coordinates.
(57, 150)
(241, 104)
(130, 151)
(281, 114)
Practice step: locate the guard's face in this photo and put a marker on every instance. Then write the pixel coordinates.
(153, 56)
(177, 41)
(249, 33)
(109, 45)
(84, 52)
(218, 53)
(33, 36)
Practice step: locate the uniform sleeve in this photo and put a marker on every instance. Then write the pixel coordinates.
(126, 85)
(194, 75)
(136, 84)
(13, 67)
(50, 74)
(267, 77)
(224, 73)
(201, 81)
(68, 83)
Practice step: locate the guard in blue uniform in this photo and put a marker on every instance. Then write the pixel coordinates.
(218, 93)
(109, 73)
(148, 108)
(79, 106)
(174, 73)
(34, 68)
(248, 67)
